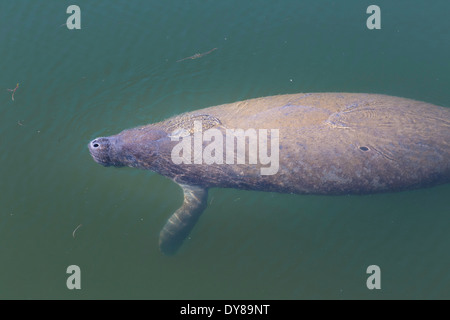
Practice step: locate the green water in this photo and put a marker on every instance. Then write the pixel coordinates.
(120, 71)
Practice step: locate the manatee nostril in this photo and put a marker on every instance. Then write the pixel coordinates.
(364, 148)
(95, 144)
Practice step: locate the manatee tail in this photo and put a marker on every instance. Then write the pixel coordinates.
(183, 220)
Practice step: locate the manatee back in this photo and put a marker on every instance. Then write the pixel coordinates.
(332, 143)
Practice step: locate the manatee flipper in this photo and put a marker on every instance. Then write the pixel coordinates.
(180, 224)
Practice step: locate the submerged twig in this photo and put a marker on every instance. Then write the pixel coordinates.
(197, 55)
(13, 91)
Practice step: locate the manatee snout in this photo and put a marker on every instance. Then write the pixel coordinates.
(100, 149)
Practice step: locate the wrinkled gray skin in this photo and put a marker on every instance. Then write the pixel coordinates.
(330, 144)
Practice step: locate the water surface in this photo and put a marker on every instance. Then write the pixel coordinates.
(120, 71)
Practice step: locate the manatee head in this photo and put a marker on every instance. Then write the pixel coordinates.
(104, 151)
(138, 148)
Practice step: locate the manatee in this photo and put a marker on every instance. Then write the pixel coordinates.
(326, 144)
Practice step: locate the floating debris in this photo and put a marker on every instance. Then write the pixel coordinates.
(73, 233)
(13, 91)
(197, 55)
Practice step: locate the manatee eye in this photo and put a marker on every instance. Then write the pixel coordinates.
(364, 148)
(95, 144)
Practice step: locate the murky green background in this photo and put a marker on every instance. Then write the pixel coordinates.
(120, 71)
